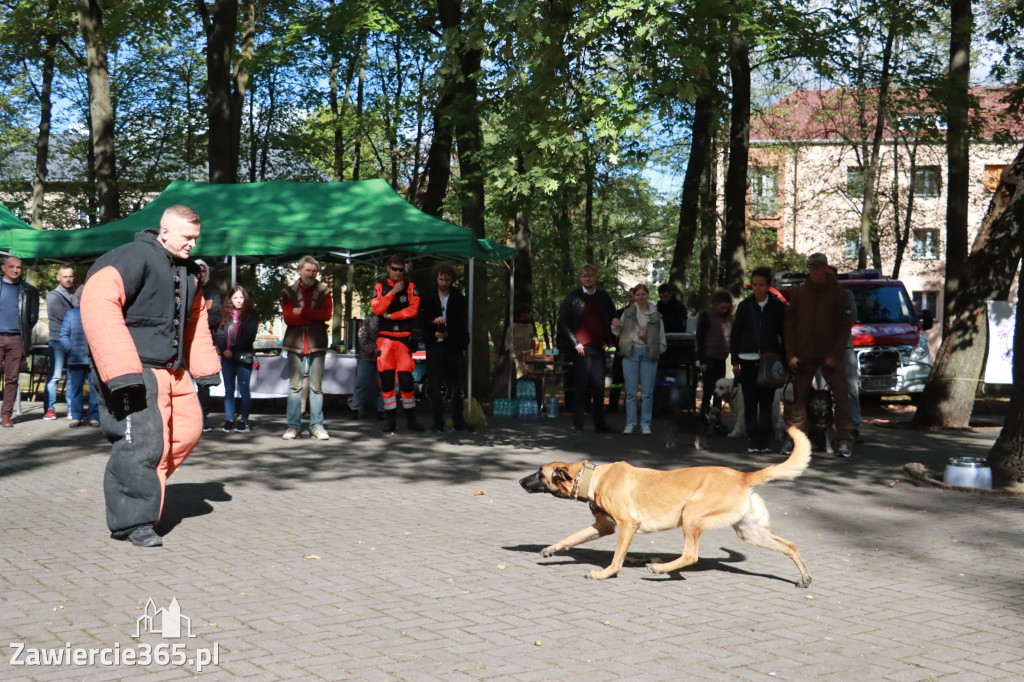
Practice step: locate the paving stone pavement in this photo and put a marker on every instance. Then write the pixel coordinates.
(368, 557)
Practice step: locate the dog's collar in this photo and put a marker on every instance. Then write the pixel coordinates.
(581, 486)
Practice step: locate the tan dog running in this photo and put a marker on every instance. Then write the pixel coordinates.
(645, 500)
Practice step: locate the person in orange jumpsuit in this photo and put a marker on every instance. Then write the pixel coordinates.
(396, 302)
(145, 320)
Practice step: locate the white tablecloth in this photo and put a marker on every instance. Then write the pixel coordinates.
(271, 379)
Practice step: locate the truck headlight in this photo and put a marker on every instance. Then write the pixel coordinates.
(921, 353)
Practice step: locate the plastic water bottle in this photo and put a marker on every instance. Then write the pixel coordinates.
(551, 407)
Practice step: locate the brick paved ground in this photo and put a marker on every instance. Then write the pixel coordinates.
(366, 557)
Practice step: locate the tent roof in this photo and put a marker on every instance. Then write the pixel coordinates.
(264, 220)
(8, 222)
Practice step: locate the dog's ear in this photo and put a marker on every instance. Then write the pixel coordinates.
(561, 474)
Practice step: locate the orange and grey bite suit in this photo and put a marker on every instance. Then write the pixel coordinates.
(145, 320)
(397, 313)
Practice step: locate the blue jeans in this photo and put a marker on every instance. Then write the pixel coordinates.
(300, 365)
(77, 375)
(230, 371)
(636, 368)
(367, 382)
(56, 353)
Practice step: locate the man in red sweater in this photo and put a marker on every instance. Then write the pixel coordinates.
(306, 307)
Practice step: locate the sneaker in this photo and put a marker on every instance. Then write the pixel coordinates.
(752, 446)
(844, 451)
(291, 434)
(145, 536)
(207, 427)
(629, 429)
(50, 415)
(645, 429)
(787, 449)
(321, 434)
(242, 427)
(228, 427)
(766, 448)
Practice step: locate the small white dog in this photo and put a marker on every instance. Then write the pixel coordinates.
(728, 390)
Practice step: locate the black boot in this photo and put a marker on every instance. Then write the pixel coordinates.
(389, 422)
(410, 420)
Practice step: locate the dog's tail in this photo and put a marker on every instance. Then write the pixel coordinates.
(791, 468)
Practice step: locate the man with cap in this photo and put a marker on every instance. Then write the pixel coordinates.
(816, 331)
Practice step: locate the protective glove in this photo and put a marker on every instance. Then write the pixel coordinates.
(128, 400)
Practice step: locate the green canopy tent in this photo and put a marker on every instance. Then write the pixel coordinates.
(281, 220)
(8, 223)
(266, 221)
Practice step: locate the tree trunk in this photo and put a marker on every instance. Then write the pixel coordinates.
(734, 242)
(357, 146)
(690, 199)
(220, 29)
(241, 76)
(948, 398)
(957, 153)
(709, 225)
(523, 241)
(101, 111)
(1007, 455)
(439, 156)
(868, 217)
(45, 116)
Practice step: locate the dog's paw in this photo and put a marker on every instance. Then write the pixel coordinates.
(549, 551)
(656, 568)
(804, 582)
(597, 575)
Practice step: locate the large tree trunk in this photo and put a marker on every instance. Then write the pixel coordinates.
(734, 242)
(949, 396)
(220, 29)
(957, 153)
(101, 111)
(709, 225)
(241, 76)
(439, 156)
(45, 116)
(1007, 455)
(689, 203)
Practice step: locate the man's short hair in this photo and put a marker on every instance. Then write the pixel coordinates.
(763, 271)
(666, 289)
(589, 267)
(308, 259)
(445, 269)
(65, 267)
(396, 259)
(183, 212)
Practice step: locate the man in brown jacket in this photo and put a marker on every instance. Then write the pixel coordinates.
(816, 331)
(306, 308)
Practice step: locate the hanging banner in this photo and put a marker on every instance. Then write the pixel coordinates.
(1002, 316)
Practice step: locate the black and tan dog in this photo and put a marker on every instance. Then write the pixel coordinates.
(645, 500)
(821, 424)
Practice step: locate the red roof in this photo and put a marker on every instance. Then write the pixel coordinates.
(820, 115)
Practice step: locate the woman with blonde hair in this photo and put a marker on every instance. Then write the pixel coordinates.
(641, 335)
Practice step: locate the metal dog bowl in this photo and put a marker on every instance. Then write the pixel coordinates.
(968, 472)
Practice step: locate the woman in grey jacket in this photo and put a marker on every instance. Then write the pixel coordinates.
(641, 335)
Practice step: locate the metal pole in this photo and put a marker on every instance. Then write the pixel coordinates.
(469, 349)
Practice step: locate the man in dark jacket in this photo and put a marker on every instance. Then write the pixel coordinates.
(817, 331)
(146, 325)
(443, 317)
(584, 329)
(19, 312)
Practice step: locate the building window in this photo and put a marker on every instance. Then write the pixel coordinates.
(764, 191)
(926, 300)
(991, 177)
(855, 181)
(927, 181)
(851, 247)
(926, 245)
